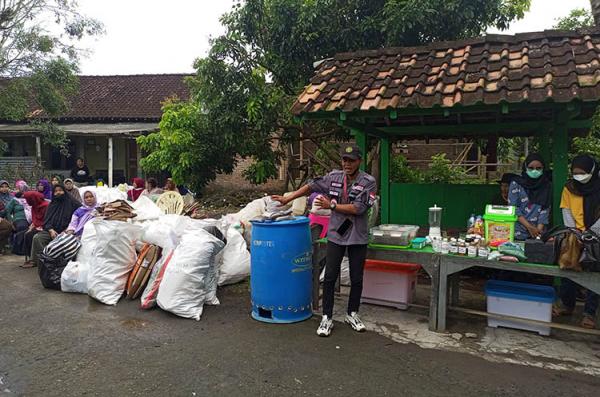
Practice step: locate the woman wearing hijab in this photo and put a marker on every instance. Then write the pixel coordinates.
(170, 186)
(83, 214)
(57, 219)
(138, 188)
(39, 206)
(72, 190)
(16, 214)
(580, 204)
(6, 228)
(43, 186)
(55, 180)
(531, 194)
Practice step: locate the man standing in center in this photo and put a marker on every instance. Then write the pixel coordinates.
(349, 194)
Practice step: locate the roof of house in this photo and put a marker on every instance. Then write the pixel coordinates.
(559, 66)
(125, 97)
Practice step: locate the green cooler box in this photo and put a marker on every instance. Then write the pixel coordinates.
(500, 222)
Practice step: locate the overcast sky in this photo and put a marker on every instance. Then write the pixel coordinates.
(157, 36)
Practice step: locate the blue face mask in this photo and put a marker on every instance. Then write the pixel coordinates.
(534, 174)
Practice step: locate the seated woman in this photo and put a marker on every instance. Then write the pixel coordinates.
(38, 205)
(43, 186)
(72, 190)
(152, 190)
(6, 227)
(58, 217)
(170, 186)
(580, 204)
(138, 188)
(16, 214)
(55, 180)
(531, 193)
(83, 214)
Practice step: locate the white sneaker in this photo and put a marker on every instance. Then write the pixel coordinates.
(325, 327)
(355, 322)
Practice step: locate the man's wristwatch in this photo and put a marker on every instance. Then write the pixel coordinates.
(332, 205)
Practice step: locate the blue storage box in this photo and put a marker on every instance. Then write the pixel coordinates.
(529, 301)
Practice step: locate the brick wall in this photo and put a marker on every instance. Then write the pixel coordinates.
(236, 181)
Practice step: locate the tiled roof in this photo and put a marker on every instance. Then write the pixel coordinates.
(555, 66)
(126, 97)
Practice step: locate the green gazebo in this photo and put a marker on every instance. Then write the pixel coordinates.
(543, 85)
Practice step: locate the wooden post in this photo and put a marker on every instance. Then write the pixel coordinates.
(110, 161)
(560, 165)
(361, 142)
(385, 180)
(38, 149)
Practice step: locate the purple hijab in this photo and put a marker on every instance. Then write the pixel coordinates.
(47, 188)
(82, 215)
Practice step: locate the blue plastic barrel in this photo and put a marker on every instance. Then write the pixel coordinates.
(281, 271)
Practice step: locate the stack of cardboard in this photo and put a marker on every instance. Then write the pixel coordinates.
(118, 210)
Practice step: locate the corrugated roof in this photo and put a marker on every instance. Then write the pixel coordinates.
(560, 66)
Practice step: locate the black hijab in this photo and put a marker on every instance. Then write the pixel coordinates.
(589, 191)
(60, 210)
(539, 191)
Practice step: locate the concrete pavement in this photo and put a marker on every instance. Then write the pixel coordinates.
(57, 344)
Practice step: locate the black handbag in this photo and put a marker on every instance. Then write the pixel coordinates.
(590, 255)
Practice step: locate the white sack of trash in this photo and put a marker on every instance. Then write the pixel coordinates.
(114, 258)
(190, 279)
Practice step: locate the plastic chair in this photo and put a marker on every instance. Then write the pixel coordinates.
(320, 220)
(171, 203)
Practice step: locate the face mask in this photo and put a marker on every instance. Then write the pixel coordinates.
(583, 178)
(534, 174)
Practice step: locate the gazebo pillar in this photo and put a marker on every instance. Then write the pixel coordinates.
(384, 183)
(110, 161)
(560, 166)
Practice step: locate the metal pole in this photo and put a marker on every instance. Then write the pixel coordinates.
(38, 149)
(110, 161)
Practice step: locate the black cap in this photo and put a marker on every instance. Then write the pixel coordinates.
(351, 151)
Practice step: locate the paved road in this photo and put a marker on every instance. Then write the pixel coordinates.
(56, 344)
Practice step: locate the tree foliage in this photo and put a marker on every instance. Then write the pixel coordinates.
(38, 60)
(578, 18)
(252, 74)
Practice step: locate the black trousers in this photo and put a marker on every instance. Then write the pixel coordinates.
(335, 253)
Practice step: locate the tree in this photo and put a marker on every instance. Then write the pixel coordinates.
(578, 18)
(252, 74)
(38, 60)
(595, 4)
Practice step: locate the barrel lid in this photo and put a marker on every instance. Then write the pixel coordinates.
(297, 221)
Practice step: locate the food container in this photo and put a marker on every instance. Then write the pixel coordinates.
(394, 235)
(500, 222)
(419, 243)
(528, 301)
(389, 283)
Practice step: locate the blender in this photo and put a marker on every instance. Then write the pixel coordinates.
(435, 222)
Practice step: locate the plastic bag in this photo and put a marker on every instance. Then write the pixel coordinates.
(235, 259)
(50, 271)
(190, 280)
(148, 300)
(114, 258)
(145, 209)
(74, 278)
(159, 233)
(512, 249)
(88, 244)
(64, 245)
(104, 194)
